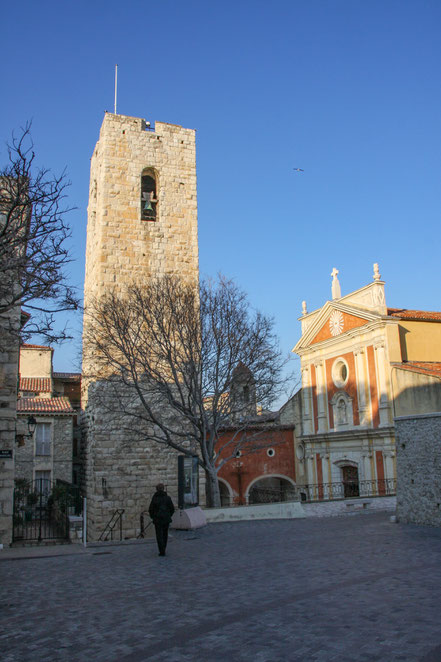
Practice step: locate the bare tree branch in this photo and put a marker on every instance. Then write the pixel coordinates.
(33, 234)
(185, 364)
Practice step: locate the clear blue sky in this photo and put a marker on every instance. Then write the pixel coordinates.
(348, 90)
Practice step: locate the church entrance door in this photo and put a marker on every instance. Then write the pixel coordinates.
(350, 481)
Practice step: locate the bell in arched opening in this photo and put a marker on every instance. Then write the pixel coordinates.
(148, 195)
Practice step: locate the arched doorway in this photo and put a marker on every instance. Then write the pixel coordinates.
(272, 489)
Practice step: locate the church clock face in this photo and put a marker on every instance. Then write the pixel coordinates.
(336, 323)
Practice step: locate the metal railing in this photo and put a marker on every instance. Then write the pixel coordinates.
(111, 525)
(315, 492)
(347, 490)
(142, 523)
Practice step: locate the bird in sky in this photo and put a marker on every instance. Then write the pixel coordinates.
(298, 169)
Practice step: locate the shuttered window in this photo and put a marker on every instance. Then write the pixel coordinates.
(43, 439)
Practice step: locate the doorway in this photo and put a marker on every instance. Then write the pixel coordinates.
(41, 511)
(351, 485)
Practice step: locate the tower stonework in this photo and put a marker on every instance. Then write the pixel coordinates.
(142, 223)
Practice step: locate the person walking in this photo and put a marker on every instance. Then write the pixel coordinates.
(161, 510)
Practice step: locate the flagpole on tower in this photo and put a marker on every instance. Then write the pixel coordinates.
(116, 84)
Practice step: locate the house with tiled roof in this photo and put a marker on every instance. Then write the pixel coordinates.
(363, 364)
(42, 397)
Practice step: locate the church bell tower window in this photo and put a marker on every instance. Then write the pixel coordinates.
(148, 195)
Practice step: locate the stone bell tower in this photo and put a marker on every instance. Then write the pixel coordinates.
(142, 222)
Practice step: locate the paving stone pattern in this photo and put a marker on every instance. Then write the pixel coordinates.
(346, 589)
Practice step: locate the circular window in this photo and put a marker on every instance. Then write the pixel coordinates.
(340, 372)
(238, 453)
(271, 452)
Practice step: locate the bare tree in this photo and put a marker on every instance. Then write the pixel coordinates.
(184, 365)
(33, 234)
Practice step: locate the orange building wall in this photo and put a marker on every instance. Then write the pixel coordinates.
(350, 387)
(240, 472)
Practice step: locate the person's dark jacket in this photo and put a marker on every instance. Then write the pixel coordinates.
(161, 508)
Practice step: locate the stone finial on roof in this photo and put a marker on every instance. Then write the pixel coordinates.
(304, 309)
(336, 290)
(377, 275)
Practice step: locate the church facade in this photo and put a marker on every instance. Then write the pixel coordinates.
(361, 364)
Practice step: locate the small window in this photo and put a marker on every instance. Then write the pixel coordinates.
(43, 439)
(148, 195)
(271, 452)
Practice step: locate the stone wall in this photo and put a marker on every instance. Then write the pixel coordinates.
(120, 470)
(9, 348)
(350, 506)
(121, 247)
(418, 442)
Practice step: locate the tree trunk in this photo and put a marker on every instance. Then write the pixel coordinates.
(212, 489)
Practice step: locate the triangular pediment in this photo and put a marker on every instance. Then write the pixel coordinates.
(334, 320)
(336, 324)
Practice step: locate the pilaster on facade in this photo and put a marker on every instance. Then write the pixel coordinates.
(307, 405)
(322, 400)
(362, 381)
(384, 405)
(390, 463)
(366, 466)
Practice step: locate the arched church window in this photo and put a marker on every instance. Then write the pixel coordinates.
(148, 195)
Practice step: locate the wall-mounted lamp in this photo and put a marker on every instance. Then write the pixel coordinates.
(32, 424)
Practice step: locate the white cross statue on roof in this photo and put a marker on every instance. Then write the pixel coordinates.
(336, 290)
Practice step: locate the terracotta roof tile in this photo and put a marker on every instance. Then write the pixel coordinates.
(423, 367)
(28, 346)
(429, 315)
(44, 405)
(35, 384)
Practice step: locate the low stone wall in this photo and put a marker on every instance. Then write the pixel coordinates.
(349, 506)
(295, 509)
(286, 510)
(418, 442)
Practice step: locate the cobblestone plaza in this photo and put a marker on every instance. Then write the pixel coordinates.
(345, 588)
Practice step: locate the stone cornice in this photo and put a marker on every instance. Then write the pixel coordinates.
(353, 433)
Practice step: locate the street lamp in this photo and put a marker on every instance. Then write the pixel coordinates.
(32, 424)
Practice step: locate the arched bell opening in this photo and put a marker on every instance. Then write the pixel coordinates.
(149, 200)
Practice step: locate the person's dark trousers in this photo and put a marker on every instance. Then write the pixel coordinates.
(161, 537)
